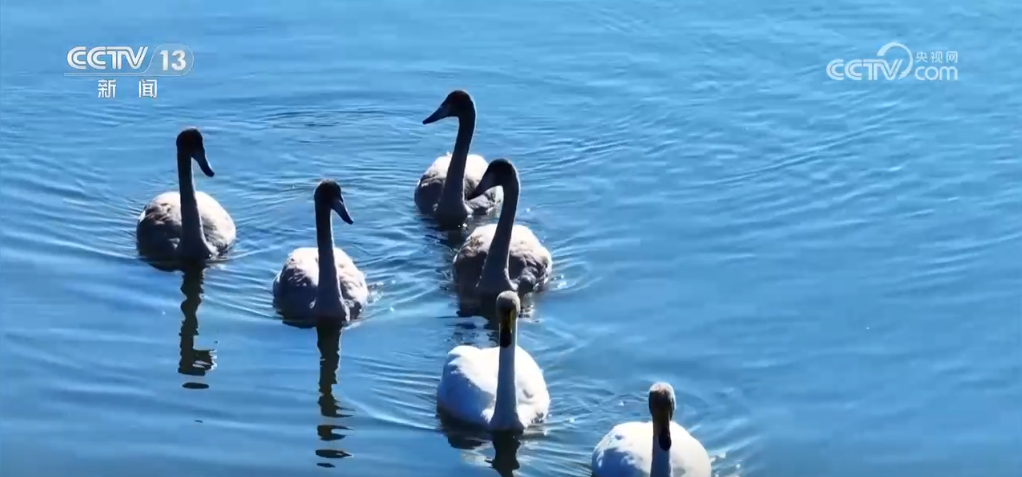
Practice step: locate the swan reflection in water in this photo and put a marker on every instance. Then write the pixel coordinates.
(193, 362)
(474, 440)
(505, 445)
(328, 340)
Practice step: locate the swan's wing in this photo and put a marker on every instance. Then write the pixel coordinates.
(533, 397)
(468, 263)
(688, 456)
(468, 385)
(626, 451)
(437, 171)
(165, 207)
(159, 226)
(431, 183)
(294, 288)
(475, 167)
(530, 263)
(217, 224)
(352, 282)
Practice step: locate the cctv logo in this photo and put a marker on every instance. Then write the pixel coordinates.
(98, 58)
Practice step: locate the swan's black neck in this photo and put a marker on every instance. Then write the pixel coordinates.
(325, 245)
(505, 407)
(191, 224)
(500, 248)
(454, 184)
(466, 127)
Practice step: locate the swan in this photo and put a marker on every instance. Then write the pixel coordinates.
(321, 284)
(660, 448)
(499, 388)
(441, 189)
(185, 225)
(505, 256)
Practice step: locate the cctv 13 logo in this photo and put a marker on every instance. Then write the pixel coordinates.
(167, 59)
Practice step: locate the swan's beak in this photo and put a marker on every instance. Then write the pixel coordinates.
(478, 191)
(507, 323)
(442, 112)
(485, 184)
(338, 206)
(200, 157)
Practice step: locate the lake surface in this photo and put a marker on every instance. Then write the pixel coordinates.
(828, 272)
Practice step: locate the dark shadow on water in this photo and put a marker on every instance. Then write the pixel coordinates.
(307, 323)
(464, 330)
(505, 453)
(171, 266)
(451, 238)
(297, 323)
(505, 444)
(179, 265)
(331, 430)
(469, 305)
(472, 305)
(194, 362)
(163, 266)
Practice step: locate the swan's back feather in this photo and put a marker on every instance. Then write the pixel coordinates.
(627, 451)
(294, 288)
(529, 262)
(159, 225)
(468, 386)
(431, 185)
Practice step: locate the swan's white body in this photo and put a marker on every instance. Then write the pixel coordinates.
(528, 267)
(470, 384)
(431, 185)
(297, 294)
(629, 450)
(161, 235)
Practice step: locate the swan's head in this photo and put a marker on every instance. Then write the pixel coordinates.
(328, 194)
(458, 104)
(508, 307)
(498, 173)
(661, 407)
(189, 143)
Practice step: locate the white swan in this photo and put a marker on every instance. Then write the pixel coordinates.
(660, 448)
(502, 388)
(185, 225)
(505, 256)
(321, 285)
(441, 189)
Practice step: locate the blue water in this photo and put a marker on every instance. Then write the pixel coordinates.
(828, 272)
